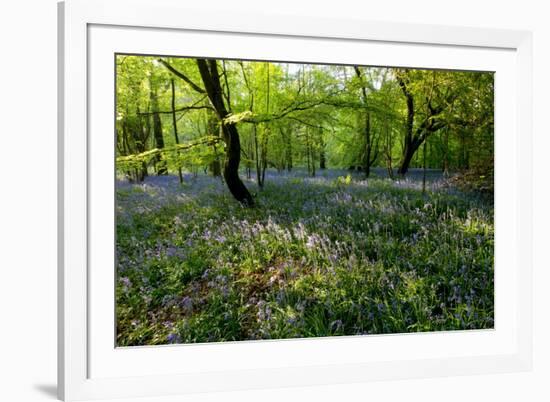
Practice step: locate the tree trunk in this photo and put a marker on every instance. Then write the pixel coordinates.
(368, 147)
(288, 151)
(264, 157)
(174, 124)
(141, 143)
(209, 73)
(257, 157)
(214, 167)
(322, 155)
(446, 153)
(231, 167)
(124, 149)
(249, 162)
(427, 127)
(266, 129)
(408, 149)
(160, 164)
(368, 158)
(424, 168)
(388, 149)
(408, 153)
(310, 162)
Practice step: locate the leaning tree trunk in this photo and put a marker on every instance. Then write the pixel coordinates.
(408, 153)
(405, 161)
(209, 74)
(231, 167)
(430, 124)
(408, 149)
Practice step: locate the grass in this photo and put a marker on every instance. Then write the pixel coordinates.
(321, 256)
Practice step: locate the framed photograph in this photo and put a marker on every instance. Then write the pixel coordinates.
(258, 201)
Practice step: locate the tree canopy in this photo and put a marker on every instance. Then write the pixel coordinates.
(231, 117)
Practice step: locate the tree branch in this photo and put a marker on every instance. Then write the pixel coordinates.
(210, 140)
(182, 109)
(182, 76)
(305, 123)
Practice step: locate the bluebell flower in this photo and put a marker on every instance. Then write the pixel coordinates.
(173, 338)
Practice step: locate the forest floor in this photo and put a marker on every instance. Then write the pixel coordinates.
(318, 256)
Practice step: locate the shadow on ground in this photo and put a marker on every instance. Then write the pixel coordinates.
(49, 390)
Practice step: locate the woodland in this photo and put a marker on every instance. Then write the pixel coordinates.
(269, 200)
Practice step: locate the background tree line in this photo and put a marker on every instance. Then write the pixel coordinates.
(237, 117)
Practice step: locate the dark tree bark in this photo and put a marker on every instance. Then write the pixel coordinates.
(214, 167)
(409, 147)
(428, 127)
(210, 77)
(266, 129)
(309, 154)
(174, 122)
(160, 164)
(257, 156)
(249, 161)
(388, 147)
(289, 161)
(122, 146)
(464, 153)
(252, 145)
(141, 137)
(322, 155)
(414, 138)
(370, 153)
(264, 157)
(287, 148)
(424, 168)
(209, 74)
(368, 148)
(182, 76)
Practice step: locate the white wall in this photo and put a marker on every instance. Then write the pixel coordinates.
(28, 198)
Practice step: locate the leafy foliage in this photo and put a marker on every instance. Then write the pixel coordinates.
(308, 115)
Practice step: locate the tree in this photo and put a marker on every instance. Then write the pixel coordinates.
(370, 152)
(417, 132)
(208, 70)
(209, 73)
(160, 164)
(288, 116)
(175, 122)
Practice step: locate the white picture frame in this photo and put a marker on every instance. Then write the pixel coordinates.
(91, 368)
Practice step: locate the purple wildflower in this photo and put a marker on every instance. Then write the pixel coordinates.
(173, 338)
